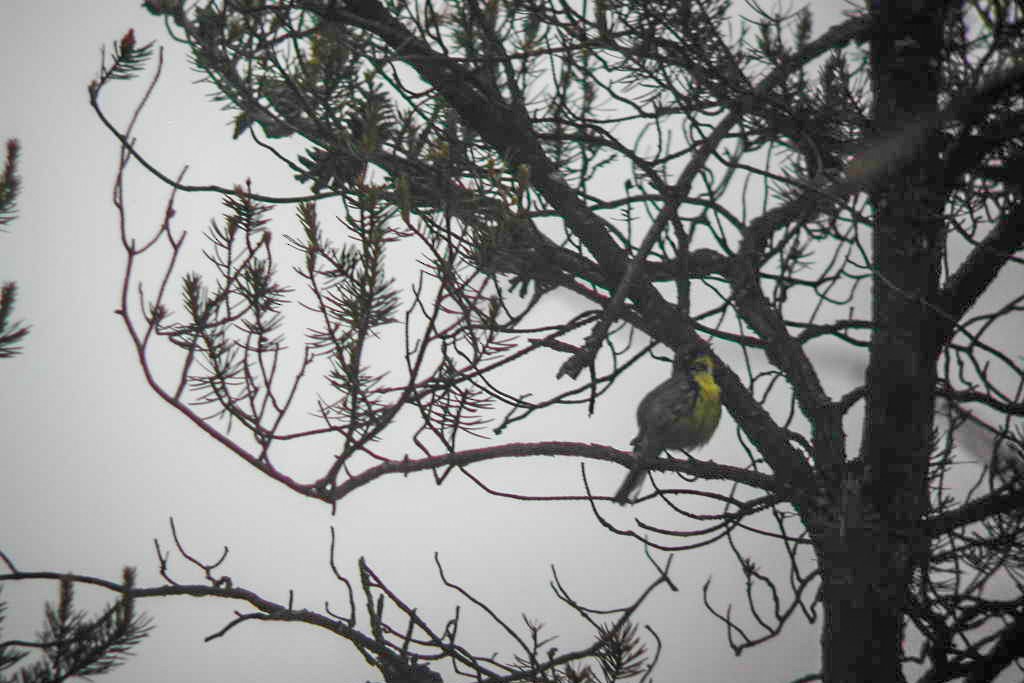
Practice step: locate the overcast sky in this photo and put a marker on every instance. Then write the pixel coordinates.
(94, 465)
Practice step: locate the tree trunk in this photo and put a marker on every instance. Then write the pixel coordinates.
(870, 552)
(866, 567)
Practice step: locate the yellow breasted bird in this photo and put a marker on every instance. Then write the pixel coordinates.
(680, 413)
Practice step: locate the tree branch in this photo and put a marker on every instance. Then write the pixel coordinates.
(1006, 500)
(693, 467)
(978, 271)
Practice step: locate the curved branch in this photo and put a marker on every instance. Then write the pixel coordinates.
(978, 271)
(269, 609)
(696, 468)
(128, 145)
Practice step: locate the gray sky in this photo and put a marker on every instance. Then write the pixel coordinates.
(94, 464)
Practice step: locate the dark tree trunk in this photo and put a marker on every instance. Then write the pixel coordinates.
(874, 546)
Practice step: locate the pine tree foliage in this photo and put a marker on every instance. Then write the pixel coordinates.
(11, 332)
(10, 183)
(624, 655)
(75, 644)
(670, 172)
(127, 59)
(234, 319)
(10, 654)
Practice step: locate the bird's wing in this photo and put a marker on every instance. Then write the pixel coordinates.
(660, 410)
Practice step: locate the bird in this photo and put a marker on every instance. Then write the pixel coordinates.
(680, 413)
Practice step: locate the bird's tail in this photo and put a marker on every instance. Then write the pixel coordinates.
(635, 478)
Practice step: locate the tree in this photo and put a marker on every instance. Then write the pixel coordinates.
(679, 172)
(73, 644)
(11, 333)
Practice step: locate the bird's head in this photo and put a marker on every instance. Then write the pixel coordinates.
(702, 364)
(695, 362)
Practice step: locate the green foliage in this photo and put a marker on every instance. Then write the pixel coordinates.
(77, 645)
(169, 8)
(10, 184)
(633, 148)
(11, 332)
(10, 654)
(353, 297)
(238, 318)
(619, 655)
(623, 654)
(128, 60)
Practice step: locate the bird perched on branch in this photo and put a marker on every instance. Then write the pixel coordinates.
(680, 413)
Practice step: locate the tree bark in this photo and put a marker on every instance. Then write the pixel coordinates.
(876, 543)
